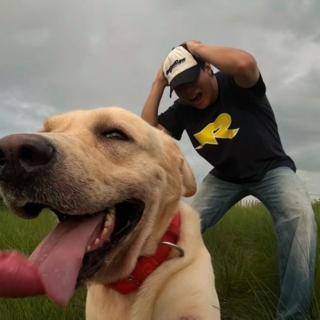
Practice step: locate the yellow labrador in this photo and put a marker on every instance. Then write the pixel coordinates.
(115, 183)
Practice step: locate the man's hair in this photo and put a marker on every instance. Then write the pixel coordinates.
(202, 63)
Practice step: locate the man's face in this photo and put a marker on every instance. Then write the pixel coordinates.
(201, 92)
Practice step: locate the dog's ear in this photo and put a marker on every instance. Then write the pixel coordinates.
(174, 159)
(188, 180)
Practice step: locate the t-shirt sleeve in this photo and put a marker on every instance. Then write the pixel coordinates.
(257, 90)
(172, 121)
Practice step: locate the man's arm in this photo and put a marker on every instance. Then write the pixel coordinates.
(150, 110)
(235, 62)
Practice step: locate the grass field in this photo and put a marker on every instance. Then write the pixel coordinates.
(242, 244)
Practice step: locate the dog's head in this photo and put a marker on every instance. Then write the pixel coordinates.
(113, 181)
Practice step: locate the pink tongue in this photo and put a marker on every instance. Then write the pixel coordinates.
(19, 277)
(54, 265)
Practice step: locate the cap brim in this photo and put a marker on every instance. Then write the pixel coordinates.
(186, 76)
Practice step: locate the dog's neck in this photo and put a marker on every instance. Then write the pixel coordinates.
(147, 264)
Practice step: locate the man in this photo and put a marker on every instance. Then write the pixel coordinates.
(230, 123)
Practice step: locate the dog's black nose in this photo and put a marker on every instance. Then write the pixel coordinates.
(22, 154)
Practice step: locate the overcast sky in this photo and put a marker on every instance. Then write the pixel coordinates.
(57, 56)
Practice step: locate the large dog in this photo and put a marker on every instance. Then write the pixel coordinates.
(115, 183)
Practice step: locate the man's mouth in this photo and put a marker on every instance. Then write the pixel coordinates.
(71, 253)
(196, 98)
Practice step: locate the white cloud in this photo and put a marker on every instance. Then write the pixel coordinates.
(58, 56)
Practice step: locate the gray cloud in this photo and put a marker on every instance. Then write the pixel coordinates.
(59, 56)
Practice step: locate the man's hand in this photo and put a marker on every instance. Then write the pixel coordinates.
(192, 46)
(160, 78)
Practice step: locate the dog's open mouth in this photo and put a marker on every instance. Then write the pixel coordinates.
(69, 254)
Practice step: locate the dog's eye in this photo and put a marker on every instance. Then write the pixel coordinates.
(115, 134)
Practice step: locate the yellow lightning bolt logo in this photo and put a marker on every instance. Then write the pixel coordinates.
(217, 129)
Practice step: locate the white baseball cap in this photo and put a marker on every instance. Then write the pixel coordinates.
(179, 67)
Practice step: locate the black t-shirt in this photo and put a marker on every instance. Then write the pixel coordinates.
(237, 134)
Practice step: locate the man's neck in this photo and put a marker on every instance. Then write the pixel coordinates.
(215, 89)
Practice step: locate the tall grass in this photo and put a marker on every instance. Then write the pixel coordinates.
(243, 248)
(244, 256)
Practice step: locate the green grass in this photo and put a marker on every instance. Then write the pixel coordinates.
(244, 256)
(243, 248)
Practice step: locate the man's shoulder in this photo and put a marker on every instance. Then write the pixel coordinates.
(227, 82)
(181, 107)
(178, 103)
(224, 79)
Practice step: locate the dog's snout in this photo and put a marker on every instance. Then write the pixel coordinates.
(22, 154)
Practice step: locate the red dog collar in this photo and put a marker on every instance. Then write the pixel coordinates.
(146, 265)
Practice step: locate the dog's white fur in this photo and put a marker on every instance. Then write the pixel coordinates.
(151, 167)
(180, 289)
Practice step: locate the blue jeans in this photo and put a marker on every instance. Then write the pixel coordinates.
(283, 193)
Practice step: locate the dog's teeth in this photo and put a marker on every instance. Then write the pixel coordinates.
(110, 216)
(88, 248)
(96, 241)
(109, 220)
(104, 232)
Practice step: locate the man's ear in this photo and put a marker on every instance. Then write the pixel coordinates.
(208, 68)
(189, 184)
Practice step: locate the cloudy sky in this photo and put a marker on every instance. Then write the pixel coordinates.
(57, 56)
